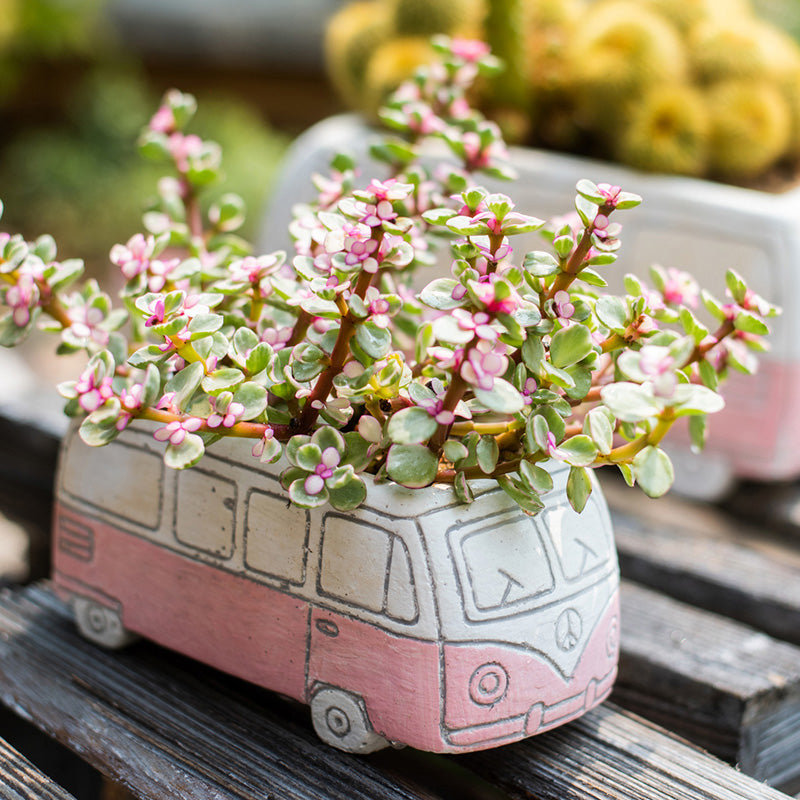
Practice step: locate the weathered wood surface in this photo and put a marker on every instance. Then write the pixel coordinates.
(166, 727)
(20, 780)
(607, 754)
(729, 688)
(704, 556)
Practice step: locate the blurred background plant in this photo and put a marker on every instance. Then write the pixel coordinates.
(72, 97)
(697, 87)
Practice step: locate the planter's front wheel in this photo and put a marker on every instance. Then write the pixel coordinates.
(340, 720)
(100, 624)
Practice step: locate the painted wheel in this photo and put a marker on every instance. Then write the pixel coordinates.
(100, 624)
(340, 720)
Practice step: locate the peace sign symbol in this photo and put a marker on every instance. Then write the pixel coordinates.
(569, 627)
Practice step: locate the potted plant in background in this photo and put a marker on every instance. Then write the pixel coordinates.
(692, 104)
(388, 482)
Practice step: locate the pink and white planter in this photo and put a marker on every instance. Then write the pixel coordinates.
(411, 621)
(699, 226)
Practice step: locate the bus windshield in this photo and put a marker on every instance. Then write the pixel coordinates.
(508, 564)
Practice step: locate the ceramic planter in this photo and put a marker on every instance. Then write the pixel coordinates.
(412, 620)
(698, 226)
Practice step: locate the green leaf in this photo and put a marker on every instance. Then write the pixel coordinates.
(348, 495)
(693, 398)
(462, 488)
(222, 379)
(96, 434)
(697, 431)
(589, 190)
(587, 210)
(308, 457)
(736, 285)
(204, 324)
(374, 341)
(521, 494)
(579, 451)
(539, 479)
(579, 487)
(653, 471)
(411, 426)
(600, 427)
(358, 451)
(439, 294)
(570, 345)
(186, 454)
(253, 397)
(299, 496)
(750, 323)
(533, 354)
(411, 465)
(540, 264)
(612, 311)
(326, 436)
(185, 383)
(259, 358)
(487, 453)
(630, 402)
(713, 306)
(502, 397)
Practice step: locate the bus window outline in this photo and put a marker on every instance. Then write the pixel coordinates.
(282, 580)
(214, 480)
(355, 608)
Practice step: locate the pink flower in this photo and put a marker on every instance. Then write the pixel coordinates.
(484, 363)
(680, 288)
(163, 121)
(175, 432)
(133, 258)
(659, 367)
(479, 323)
(378, 307)
(22, 297)
(609, 193)
(85, 322)
(470, 50)
(562, 305)
(157, 311)
(130, 400)
(225, 418)
(251, 269)
(183, 148)
(315, 482)
(92, 394)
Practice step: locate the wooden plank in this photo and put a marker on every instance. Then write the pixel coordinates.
(609, 755)
(167, 727)
(701, 555)
(21, 780)
(729, 688)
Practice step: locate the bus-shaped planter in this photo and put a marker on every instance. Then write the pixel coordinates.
(413, 620)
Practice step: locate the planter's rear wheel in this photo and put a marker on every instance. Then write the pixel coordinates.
(100, 624)
(340, 720)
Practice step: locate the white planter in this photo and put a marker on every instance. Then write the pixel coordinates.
(412, 620)
(695, 225)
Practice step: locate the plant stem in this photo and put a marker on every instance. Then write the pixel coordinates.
(324, 384)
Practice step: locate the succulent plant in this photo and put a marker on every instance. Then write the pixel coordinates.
(668, 132)
(371, 46)
(750, 127)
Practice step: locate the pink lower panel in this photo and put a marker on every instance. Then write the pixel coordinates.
(497, 692)
(222, 619)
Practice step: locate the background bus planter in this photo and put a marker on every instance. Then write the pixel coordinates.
(517, 370)
(412, 620)
(701, 226)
